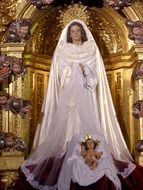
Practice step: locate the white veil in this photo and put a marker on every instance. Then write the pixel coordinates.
(109, 124)
(49, 142)
(51, 97)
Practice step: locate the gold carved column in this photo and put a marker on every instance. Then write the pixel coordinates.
(138, 95)
(37, 79)
(119, 74)
(11, 160)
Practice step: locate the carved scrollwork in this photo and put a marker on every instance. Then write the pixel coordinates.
(45, 36)
(7, 13)
(8, 180)
(106, 34)
(40, 92)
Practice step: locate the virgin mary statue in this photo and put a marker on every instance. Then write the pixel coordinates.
(77, 102)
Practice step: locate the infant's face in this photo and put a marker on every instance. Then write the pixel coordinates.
(3, 100)
(136, 110)
(23, 31)
(137, 30)
(26, 109)
(141, 67)
(16, 68)
(110, 2)
(90, 144)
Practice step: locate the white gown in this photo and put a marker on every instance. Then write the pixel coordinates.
(77, 103)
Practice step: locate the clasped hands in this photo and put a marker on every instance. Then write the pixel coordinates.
(81, 67)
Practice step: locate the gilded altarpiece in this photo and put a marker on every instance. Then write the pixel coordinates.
(38, 79)
(138, 95)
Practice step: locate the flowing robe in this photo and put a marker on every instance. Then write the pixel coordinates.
(82, 105)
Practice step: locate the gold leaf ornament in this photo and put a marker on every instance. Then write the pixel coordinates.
(74, 11)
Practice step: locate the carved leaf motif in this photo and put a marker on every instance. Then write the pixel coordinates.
(7, 13)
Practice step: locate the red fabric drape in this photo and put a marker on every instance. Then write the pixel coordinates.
(103, 183)
(133, 182)
(1, 185)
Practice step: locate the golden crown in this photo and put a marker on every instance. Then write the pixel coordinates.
(74, 11)
(87, 136)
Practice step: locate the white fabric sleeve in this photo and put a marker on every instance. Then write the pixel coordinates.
(90, 78)
(64, 72)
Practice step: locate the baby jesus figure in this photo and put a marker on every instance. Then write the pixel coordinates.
(89, 153)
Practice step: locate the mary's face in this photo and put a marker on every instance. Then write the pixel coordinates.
(75, 33)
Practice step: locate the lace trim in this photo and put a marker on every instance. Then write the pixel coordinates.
(67, 179)
(127, 171)
(30, 178)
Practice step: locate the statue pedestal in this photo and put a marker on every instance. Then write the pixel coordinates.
(13, 49)
(12, 162)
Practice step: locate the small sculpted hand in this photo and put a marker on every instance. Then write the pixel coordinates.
(82, 67)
